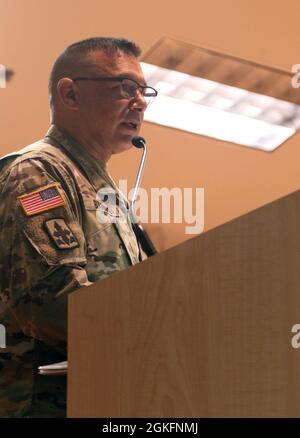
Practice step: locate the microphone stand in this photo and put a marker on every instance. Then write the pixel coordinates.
(141, 235)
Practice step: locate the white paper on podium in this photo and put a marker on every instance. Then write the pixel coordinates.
(58, 368)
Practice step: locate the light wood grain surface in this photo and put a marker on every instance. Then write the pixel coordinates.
(200, 330)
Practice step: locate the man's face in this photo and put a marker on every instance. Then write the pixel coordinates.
(107, 116)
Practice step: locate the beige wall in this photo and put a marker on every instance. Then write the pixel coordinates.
(236, 180)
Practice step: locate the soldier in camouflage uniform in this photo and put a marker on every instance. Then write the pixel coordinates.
(52, 241)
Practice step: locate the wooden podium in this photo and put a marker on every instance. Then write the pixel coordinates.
(200, 330)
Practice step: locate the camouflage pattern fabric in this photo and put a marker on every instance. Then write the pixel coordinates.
(51, 244)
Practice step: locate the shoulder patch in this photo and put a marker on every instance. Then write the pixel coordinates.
(61, 233)
(43, 199)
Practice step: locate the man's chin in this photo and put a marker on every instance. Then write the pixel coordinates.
(123, 146)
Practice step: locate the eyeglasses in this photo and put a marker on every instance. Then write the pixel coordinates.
(128, 87)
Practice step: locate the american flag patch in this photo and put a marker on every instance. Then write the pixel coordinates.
(42, 200)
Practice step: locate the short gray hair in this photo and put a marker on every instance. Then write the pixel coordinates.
(73, 59)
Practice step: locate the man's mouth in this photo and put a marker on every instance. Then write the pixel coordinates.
(130, 125)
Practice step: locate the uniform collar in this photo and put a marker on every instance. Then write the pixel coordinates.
(95, 171)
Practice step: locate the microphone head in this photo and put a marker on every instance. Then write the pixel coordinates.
(138, 142)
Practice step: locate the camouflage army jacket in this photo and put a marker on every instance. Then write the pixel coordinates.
(52, 242)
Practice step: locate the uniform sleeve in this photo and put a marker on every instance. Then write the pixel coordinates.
(43, 250)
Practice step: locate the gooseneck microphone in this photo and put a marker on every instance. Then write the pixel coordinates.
(138, 142)
(141, 234)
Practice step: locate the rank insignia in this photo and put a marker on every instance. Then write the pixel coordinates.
(44, 199)
(61, 234)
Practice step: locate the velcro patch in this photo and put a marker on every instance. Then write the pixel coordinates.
(43, 199)
(61, 234)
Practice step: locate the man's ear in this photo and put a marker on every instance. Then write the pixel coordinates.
(67, 93)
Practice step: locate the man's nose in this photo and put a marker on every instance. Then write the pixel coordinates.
(139, 103)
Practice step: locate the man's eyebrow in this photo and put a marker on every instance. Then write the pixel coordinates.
(131, 76)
